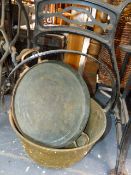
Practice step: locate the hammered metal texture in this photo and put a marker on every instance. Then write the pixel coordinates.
(61, 158)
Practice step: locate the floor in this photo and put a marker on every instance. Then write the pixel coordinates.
(14, 160)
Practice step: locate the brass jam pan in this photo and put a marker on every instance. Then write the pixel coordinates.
(51, 104)
(62, 158)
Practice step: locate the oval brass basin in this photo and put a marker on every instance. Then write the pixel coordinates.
(62, 158)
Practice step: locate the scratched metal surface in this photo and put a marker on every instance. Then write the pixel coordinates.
(14, 160)
(59, 115)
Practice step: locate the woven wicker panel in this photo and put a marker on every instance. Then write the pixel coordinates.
(123, 36)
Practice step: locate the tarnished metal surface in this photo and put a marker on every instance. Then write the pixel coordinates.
(54, 106)
(125, 141)
(8, 45)
(60, 51)
(61, 158)
(2, 30)
(107, 39)
(108, 28)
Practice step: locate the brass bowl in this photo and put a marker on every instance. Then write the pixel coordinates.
(62, 158)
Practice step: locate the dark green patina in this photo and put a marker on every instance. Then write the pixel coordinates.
(52, 104)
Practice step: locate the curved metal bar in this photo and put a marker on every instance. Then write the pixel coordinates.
(93, 21)
(110, 49)
(117, 76)
(123, 5)
(4, 56)
(92, 3)
(19, 2)
(106, 39)
(124, 145)
(72, 29)
(35, 56)
(22, 9)
(2, 30)
(112, 11)
(119, 8)
(18, 29)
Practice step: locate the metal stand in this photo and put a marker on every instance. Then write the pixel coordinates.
(125, 140)
(116, 103)
(8, 45)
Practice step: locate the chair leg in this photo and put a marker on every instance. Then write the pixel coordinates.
(124, 146)
(127, 88)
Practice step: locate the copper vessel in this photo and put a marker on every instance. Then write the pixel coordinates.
(51, 104)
